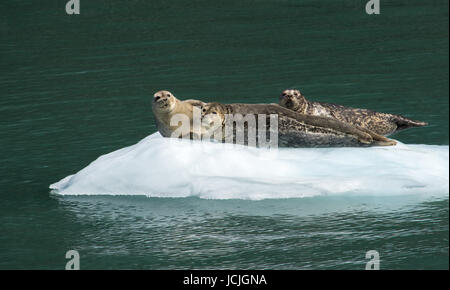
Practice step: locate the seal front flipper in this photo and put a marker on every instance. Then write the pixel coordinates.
(195, 103)
(384, 143)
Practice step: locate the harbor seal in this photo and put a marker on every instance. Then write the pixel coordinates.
(294, 129)
(165, 105)
(380, 123)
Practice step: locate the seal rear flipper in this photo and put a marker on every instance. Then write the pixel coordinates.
(405, 123)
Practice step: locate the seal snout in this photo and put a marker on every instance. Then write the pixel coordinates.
(161, 101)
(157, 97)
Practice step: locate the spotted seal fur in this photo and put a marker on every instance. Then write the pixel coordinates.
(294, 129)
(380, 123)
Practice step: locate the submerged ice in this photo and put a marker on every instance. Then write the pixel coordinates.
(164, 167)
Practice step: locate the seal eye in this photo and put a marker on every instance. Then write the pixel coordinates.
(204, 110)
(157, 98)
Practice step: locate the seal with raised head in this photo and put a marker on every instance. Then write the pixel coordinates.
(380, 123)
(294, 129)
(165, 105)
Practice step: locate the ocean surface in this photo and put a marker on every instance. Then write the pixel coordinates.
(74, 88)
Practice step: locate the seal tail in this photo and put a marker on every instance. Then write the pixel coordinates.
(405, 123)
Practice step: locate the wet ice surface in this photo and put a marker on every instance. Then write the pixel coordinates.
(163, 167)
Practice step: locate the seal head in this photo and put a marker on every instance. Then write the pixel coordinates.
(163, 101)
(213, 113)
(293, 100)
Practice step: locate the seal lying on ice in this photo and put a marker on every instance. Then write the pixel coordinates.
(294, 129)
(165, 105)
(380, 123)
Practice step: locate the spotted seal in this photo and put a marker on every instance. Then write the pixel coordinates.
(294, 129)
(165, 105)
(380, 123)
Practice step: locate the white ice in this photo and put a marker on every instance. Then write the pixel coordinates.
(164, 167)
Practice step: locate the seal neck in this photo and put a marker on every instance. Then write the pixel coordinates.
(303, 106)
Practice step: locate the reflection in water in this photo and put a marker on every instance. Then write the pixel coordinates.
(320, 232)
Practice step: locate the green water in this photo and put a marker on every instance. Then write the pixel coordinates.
(75, 87)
